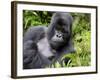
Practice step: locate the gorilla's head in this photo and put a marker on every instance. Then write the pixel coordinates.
(60, 30)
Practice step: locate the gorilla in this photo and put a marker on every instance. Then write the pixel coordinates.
(42, 46)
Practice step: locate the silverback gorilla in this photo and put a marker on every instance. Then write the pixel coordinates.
(43, 46)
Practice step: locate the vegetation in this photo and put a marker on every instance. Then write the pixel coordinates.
(81, 35)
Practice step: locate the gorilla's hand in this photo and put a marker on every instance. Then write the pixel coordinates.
(32, 57)
(31, 48)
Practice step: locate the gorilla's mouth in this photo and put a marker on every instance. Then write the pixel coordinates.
(56, 45)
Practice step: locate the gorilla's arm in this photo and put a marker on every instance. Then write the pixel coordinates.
(31, 57)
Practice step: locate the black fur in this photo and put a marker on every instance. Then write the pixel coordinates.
(59, 43)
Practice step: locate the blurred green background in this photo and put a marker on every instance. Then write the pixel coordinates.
(81, 35)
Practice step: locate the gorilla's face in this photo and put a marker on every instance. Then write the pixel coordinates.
(62, 31)
(60, 37)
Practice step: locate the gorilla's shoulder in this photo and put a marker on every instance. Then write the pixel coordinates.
(34, 32)
(36, 28)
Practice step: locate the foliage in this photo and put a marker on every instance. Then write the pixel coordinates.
(34, 18)
(81, 35)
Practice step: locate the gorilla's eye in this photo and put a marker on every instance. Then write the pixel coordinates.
(59, 28)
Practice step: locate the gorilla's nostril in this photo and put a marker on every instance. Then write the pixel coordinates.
(57, 35)
(60, 36)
